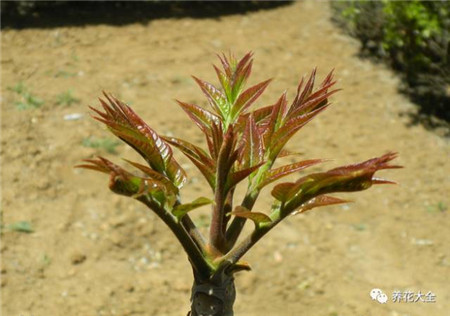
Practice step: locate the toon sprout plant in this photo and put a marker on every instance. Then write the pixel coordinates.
(241, 144)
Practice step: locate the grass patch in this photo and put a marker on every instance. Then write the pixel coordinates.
(27, 99)
(107, 144)
(66, 98)
(22, 226)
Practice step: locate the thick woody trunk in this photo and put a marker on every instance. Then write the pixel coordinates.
(214, 296)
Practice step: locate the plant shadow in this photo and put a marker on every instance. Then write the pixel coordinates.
(50, 14)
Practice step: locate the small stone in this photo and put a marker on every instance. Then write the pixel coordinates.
(277, 256)
(77, 258)
(71, 272)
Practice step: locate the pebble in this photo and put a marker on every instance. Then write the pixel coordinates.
(77, 258)
(73, 116)
(277, 256)
(422, 242)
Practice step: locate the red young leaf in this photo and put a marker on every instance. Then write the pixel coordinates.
(275, 174)
(201, 117)
(239, 79)
(281, 191)
(237, 176)
(312, 104)
(216, 140)
(257, 217)
(215, 97)
(249, 96)
(303, 94)
(321, 200)
(259, 115)
(198, 156)
(356, 177)
(306, 101)
(282, 136)
(125, 183)
(226, 65)
(128, 126)
(152, 174)
(274, 120)
(241, 70)
(251, 147)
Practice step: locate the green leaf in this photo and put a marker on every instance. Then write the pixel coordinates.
(180, 210)
(224, 81)
(258, 218)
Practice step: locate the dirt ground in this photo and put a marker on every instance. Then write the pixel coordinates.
(94, 253)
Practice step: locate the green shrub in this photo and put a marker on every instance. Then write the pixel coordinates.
(414, 37)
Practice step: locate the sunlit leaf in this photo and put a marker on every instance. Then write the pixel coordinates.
(201, 117)
(125, 183)
(350, 178)
(215, 97)
(249, 96)
(282, 136)
(237, 176)
(180, 210)
(198, 156)
(154, 175)
(251, 147)
(257, 217)
(281, 191)
(275, 174)
(321, 200)
(128, 126)
(275, 121)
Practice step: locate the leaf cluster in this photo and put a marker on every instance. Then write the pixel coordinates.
(242, 143)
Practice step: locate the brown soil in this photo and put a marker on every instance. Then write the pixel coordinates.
(94, 253)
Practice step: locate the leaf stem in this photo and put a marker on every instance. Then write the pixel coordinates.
(236, 253)
(198, 262)
(237, 224)
(193, 231)
(217, 229)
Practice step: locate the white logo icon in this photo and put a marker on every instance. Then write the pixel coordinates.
(377, 294)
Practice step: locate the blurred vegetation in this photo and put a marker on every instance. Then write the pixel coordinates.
(413, 37)
(26, 99)
(107, 144)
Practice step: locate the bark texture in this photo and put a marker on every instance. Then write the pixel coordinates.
(214, 296)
